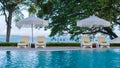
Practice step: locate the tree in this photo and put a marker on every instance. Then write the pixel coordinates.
(63, 15)
(8, 8)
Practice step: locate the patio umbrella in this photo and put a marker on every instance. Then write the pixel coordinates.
(116, 40)
(93, 21)
(31, 22)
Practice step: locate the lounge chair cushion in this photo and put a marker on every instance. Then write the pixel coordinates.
(22, 41)
(40, 41)
(104, 42)
(86, 42)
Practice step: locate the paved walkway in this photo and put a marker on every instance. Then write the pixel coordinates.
(41, 49)
(49, 48)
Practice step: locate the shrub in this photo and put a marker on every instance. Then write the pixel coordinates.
(47, 44)
(114, 44)
(62, 44)
(59, 44)
(8, 44)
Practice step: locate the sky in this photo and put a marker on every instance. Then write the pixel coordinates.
(22, 31)
(27, 31)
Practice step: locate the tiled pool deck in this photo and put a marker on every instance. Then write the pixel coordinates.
(41, 49)
(49, 48)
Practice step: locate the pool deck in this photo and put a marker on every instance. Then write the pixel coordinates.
(49, 48)
(40, 49)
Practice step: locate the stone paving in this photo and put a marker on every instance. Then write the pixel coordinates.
(49, 48)
(40, 49)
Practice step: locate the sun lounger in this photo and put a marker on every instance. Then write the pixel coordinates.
(24, 42)
(40, 42)
(86, 42)
(102, 42)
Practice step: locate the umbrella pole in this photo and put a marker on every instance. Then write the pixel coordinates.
(32, 31)
(92, 34)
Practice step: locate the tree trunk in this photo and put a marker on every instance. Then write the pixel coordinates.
(8, 7)
(9, 20)
(8, 33)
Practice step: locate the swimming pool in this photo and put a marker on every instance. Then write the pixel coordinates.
(91, 58)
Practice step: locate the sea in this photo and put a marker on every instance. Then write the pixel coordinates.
(17, 38)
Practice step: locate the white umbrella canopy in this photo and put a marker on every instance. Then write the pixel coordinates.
(31, 22)
(116, 40)
(93, 21)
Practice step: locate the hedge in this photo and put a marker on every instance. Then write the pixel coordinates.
(55, 44)
(48, 44)
(62, 44)
(8, 44)
(75, 44)
(115, 44)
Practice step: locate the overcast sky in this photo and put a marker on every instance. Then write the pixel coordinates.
(22, 31)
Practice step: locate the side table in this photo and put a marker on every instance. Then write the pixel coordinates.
(32, 45)
(94, 44)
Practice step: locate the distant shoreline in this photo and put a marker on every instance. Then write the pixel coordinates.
(17, 38)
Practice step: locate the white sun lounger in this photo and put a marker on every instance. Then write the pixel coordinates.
(40, 42)
(102, 42)
(86, 42)
(24, 42)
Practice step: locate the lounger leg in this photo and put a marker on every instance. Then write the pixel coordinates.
(97, 45)
(45, 46)
(91, 46)
(36, 46)
(83, 46)
(25, 46)
(18, 46)
(108, 46)
(101, 46)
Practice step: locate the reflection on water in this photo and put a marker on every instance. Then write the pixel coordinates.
(8, 61)
(61, 59)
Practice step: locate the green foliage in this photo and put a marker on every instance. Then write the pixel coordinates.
(64, 44)
(115, 44)
(8, 44)
(60, 44)
(32, 9)
(56, 44)
(48, 9)
(63, 15)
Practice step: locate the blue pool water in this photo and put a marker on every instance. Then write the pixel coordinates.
(104, 58)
